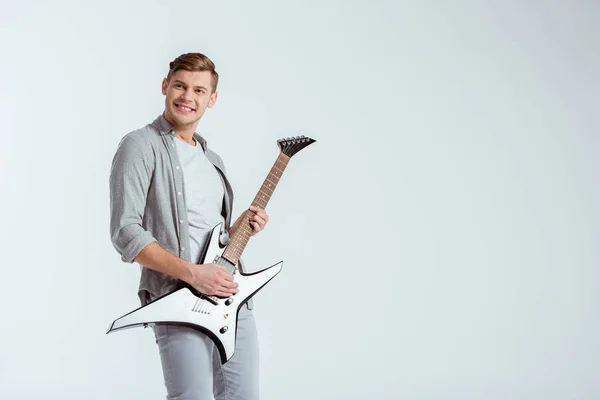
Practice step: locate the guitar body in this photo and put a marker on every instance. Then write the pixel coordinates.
(214, 316)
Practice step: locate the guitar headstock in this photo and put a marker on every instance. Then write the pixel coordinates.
(293, 145)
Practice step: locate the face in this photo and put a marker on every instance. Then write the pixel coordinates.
(188, 94)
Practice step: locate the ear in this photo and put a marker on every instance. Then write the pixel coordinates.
(165, 84)
(213, 99)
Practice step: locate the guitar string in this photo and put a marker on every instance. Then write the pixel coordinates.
(203, 305)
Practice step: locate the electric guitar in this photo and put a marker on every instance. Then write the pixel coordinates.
(217, 316)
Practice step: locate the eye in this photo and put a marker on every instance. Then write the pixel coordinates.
(201, 91)
(178, 85)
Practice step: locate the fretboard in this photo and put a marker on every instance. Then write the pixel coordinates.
(241, 236)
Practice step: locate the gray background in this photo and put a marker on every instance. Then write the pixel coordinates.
(440, 240)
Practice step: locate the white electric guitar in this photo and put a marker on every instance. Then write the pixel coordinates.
(217, 316)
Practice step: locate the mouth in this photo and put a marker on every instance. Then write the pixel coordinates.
(184, 109)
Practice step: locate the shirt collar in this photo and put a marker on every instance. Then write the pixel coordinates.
(165, 128)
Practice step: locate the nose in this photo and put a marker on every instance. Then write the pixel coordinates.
(188, 95)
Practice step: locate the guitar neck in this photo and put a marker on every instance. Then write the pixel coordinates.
(241, 236)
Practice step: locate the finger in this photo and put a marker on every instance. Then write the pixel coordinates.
(228, 285)
(260, 220)
(223, 294)
(232, 290)
(259, 211)
(262, 214)
(257, 227)
(227, 291)
(227, 277)
(226, 280)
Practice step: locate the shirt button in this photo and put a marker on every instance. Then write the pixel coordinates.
(177, 167)
(172, 144)
(183, 248)
(181, 221)
(179, 193)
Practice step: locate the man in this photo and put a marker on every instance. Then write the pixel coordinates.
(168, 190)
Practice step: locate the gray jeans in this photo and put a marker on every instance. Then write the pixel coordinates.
(192, 368)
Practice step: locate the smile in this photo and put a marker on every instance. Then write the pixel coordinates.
(183, 108)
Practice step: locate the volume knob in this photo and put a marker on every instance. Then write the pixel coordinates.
(223, 329)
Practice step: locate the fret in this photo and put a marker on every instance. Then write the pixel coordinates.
(265, 190)
(264, 195)
(271, 184)
(273, 179)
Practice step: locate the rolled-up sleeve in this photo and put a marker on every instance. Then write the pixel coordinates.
(130, 177)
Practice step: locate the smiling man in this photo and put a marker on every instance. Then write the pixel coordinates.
(168, 190)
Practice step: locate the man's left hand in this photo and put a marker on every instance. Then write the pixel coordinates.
(258, 220)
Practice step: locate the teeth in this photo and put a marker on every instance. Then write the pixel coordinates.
(184, 108)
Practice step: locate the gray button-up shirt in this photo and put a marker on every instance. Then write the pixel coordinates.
(144, 207)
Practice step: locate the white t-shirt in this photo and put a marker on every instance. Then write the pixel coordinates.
(204, 193)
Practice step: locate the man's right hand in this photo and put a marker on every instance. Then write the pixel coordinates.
(212, 280)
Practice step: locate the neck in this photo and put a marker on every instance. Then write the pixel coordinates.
(241, 236)
(184, 132)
